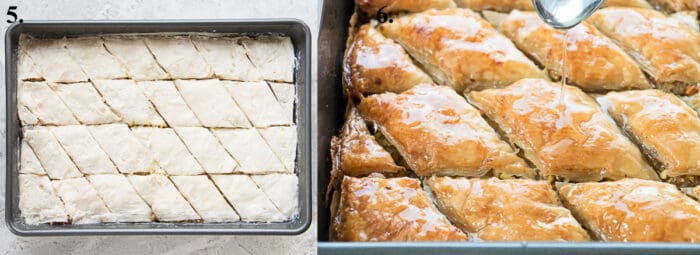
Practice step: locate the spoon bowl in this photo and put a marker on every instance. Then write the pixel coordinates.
(565, 14)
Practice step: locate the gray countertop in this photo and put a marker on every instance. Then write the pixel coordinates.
(306, 10)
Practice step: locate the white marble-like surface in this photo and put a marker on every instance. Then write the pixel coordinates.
(306, 10)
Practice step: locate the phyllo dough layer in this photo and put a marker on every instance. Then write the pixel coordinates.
(205, 198)
(632, 210)
(506, 210)
(376, 64)
(168, 150)
(28, 162)
(92, 56)
(87, 105)
(82, 202)
(247, 198)
(53, 158)
(665, 127)
(121, 198)
(52, 59)
(127, 100)
(125, 150)
(282, 189)
(210, 154)
(179, 57)
(593, 61)
(664, 47)
(169, 103)
(460, 49)
(44, 104)
(575, 141)
(136, 57)
(165, 200)
(211, 103)
(273, 56)
(371, 7)
(377, 209)
(83, 149)
(38, 201)
(437, 132)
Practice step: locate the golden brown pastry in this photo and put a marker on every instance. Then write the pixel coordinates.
(371, 7)
(460, 49)
(378, 209)
(577, 142)
(376, 64)
(665, 127)
(677, 5)
(359, 154)
(438, 133)
(509, 5)
(593, 62)
(633, 210)
(665, 48)
(505, 210)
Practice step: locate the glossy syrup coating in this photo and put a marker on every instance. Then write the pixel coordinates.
(371, 7)
(633, 210)
(376, 64)
(460, 49)
(663, 124)
(578, 142)
(593, 61)
(438, 132)
(664, 47)
(509, 5)
(506, 210)
(397, 209)
(360, 153)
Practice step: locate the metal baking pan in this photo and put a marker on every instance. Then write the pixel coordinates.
(331, 107)
(301, 38)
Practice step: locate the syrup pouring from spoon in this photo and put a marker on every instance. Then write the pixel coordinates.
(562, 15)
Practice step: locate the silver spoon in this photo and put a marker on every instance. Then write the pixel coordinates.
(564, 14)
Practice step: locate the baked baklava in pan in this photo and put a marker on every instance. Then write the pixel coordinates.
(575, 141)
(460, 49)
(633, 210)
(667, 50)
(665, 127)
(505, 210)
(396, 209)
(437, 132)
(509, 5)
(376, 64)
(371, 7)
(593, 62)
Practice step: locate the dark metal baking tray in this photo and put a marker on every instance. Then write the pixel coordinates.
(301, 39)
(331, 107)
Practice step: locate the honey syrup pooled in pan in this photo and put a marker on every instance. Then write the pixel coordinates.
(565, 14)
